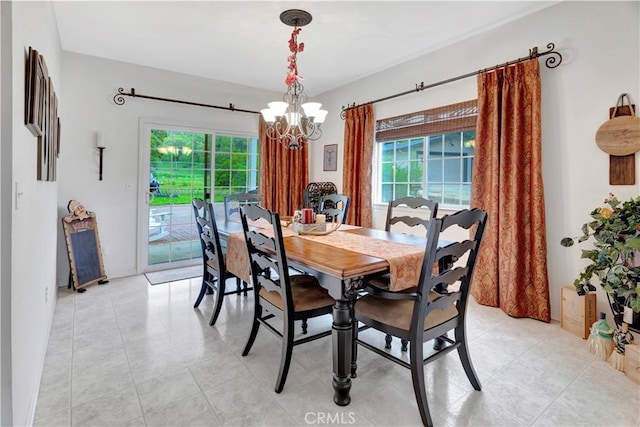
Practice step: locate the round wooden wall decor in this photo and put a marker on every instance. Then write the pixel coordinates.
(620, 136)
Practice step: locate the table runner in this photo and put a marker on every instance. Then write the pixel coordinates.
(237, 257)
(405, 261)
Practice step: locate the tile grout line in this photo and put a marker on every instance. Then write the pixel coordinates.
(73, 352)
(126, 355)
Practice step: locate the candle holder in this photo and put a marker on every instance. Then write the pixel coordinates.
(101, 147)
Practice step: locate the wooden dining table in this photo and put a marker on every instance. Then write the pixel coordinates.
(340, 270)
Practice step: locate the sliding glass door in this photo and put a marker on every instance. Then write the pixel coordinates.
(179, 170)
(178, 164)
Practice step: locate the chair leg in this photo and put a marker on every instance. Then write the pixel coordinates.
(387, 341)
(257, 312)
(238, 284)
(439, 343)
(204, 288)
(403, 345)
(285, 361)
(417, 377)
(217, 304)
(245, 287)
(305, 326)
(463, 352)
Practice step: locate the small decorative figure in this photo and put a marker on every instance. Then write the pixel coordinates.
(621, 337)
(77, 212)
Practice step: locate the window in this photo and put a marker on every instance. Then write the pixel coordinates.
(188, 164)
(428, 154)
(235, 166)
(180, 166)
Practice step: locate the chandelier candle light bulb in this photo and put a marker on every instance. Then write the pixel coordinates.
(293, 120)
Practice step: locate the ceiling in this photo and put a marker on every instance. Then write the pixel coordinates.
(244, 42)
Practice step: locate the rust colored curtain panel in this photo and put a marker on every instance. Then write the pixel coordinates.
(356, 176)
(511, 271)
(283, 174)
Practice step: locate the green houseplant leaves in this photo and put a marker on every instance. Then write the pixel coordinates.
(615, 261)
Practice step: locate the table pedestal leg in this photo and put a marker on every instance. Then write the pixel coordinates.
(342, 334)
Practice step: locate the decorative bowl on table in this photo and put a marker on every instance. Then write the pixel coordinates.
(314, 229)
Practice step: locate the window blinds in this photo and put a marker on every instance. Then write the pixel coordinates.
(447, 119)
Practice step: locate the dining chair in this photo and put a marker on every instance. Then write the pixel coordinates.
(334, 206)
(233, 202)
(215, 273)
(417, 218)
(277, 293)
(201, 210)
(437, 305)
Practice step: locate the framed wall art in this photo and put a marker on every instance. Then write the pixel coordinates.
(330, 159)
(35, 90)
(41, 114)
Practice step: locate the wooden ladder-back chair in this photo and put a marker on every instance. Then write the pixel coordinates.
(233, 202)
(334, 206)
(277, 293)
(437, 305)
(200, 213)
(419, 218)
(215, 274)
(414, 220)
(232, 205)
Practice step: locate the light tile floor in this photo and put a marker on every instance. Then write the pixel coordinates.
(132, 354)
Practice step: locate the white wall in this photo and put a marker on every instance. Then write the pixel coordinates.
(599, 63)
(6, 412)
(90, 84)
(34, 218)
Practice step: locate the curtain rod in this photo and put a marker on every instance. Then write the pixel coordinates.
(118, 99)
(551, 62)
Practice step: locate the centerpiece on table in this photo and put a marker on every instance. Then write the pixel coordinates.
(307, 222)
(615, 257)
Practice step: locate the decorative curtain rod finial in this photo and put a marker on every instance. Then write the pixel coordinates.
(343, 113)
(118, 99)
(552, 61)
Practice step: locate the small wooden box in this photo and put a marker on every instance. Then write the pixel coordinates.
(632, 361)
(577, 313)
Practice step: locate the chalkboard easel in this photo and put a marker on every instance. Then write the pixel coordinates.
(85, 254)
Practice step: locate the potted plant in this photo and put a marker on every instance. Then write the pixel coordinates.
(615, 256)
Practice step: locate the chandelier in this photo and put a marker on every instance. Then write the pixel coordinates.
(294, 120)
